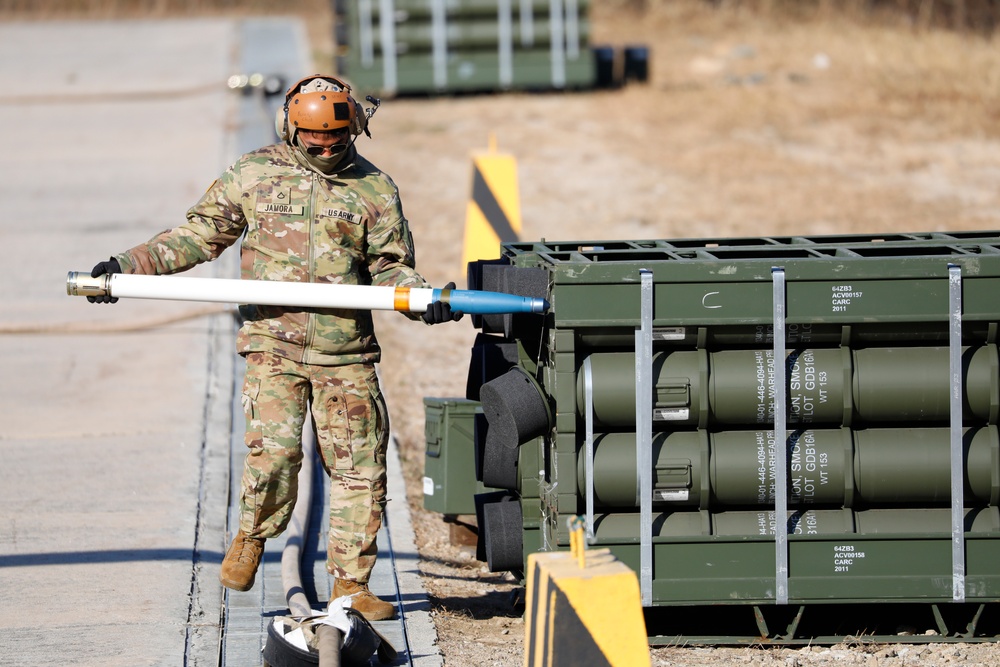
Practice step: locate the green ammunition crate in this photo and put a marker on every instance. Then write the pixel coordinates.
(889, 454)
(400, 47)
(450, 460)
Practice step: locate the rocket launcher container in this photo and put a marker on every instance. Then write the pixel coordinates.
(789, 439)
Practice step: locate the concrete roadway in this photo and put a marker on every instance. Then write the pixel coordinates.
(119, 438)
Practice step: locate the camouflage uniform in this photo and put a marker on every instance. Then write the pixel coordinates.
(300, 226)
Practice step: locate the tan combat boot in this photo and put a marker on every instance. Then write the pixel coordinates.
(363, 600)
(239, 567)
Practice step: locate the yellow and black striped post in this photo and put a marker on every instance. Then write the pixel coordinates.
(583, 608)
(493, 215)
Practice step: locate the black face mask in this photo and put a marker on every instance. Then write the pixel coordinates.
(324, 165)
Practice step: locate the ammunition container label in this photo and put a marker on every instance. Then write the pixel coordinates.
(808, 382)
(671, 414)
(281, 209)
(764, 363)
(765, 523)
(669, 333)
(765, 467)
(670, 495)
(428, 486)
(844, 556)
(843, 296)
(807, 467)
(794, 333)
(803, 524)
(806, 388)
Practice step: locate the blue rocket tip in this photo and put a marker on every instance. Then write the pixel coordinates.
(476, 302)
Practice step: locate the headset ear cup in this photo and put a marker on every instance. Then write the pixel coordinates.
(281, 124)
(360, 121)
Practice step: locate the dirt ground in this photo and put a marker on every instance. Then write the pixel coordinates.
(750, 125)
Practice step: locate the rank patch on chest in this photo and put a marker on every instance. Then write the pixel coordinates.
(342, 215)
(281, 209)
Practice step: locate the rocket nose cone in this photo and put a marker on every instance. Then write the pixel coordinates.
(539, 306)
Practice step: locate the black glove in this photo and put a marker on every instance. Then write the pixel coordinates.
(110, 266)
(439, 311)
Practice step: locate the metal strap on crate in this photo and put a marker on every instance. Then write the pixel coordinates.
(505, 43)
(387, 36)
(957, 467)
(558, 43)
(527, 23)
(439, 52)
(780, 436)
(572, 30)
(588, 470)
(366, 38)
(644, 434)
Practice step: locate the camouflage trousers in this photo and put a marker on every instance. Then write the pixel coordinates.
(352, 432)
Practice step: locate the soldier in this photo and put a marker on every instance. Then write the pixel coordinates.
(309, 209)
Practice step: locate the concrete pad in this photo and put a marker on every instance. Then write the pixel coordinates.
(109, 131)
(121, 433)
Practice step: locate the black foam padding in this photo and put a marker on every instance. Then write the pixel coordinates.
(524, 281)
(500, 454)
(474, 280)
(502, 535)
(492, 281)
(474, 272)
(480, 427)
(514, 407)
(491, 357)
(481, 500)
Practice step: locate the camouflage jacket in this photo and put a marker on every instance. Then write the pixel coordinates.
(300, 226)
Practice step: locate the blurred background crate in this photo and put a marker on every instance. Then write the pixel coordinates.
(398, 47)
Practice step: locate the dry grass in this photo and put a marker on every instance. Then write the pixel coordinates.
(826, 65)
(982, 16)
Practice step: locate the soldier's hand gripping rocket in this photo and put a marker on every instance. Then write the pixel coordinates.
(440, 311)
(109, 266)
